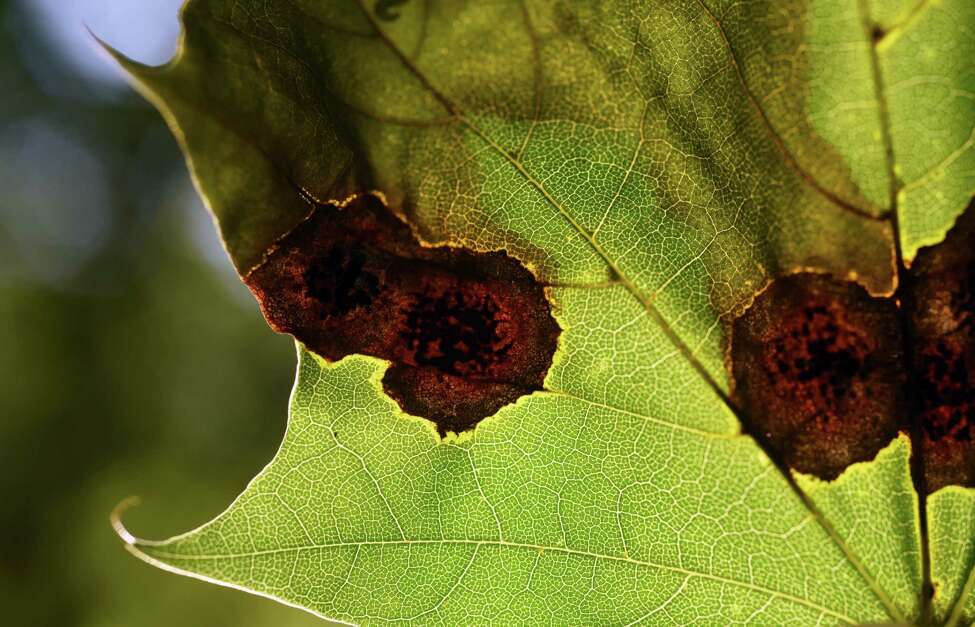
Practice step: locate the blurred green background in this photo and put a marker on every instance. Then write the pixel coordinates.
(132, 360)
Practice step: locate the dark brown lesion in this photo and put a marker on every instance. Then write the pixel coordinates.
(817, 372)
(821, 369)
(466, 332)
(456, 332)
(339, 281)
(942, 315)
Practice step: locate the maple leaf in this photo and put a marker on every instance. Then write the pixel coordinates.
(636, 174)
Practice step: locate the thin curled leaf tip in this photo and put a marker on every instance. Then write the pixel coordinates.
(116, 519)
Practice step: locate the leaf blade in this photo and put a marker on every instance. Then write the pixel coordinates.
(926, 66)
(525, 512)
(727, 213)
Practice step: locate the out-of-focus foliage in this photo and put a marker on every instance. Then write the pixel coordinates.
(124, 338)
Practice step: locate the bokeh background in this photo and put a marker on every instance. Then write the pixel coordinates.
(132, 360)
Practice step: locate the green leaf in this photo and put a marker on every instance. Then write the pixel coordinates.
(873, 501)
(555, 509)
(928, 80)
(952, 531)
(656, 164)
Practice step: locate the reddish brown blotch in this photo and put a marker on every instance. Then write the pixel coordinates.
(942, 310)
(818, 373)
(467, 332)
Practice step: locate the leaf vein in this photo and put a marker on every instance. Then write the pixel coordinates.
(507, 545)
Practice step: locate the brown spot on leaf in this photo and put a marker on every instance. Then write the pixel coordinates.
(943, 319)
(466, 332)
(817, 372)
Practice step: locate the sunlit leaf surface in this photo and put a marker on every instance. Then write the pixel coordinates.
(656, 165)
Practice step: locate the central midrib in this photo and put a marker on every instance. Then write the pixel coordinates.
(903, 294)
